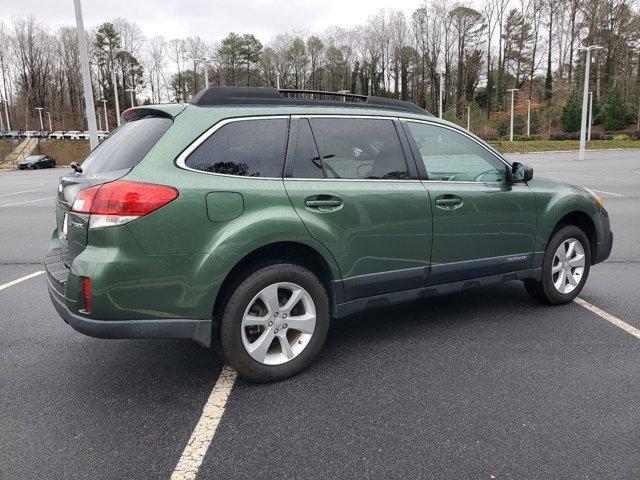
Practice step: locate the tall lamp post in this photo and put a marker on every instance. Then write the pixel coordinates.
(468, 118)
(203, 61)
(513, 91)
(40, 109)
(585, 95)
(114, 81)
(106, 118)
(590, 116)
(6, 111)
(86, 77)
(50, 127)
(528, 117)
(131, 90)
(440, 97)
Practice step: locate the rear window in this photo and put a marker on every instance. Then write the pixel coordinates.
(248, 148)
(127, 146)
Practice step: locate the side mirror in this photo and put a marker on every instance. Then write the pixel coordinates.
(521, 173)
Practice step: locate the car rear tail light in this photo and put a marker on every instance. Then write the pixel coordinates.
(86, 292)
(120, 202)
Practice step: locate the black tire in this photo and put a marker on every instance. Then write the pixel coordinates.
(544, 289)
(237, 302)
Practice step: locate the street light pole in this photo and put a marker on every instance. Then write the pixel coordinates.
(6, 112)
(468, 118)
(50, 127)
(203, 61)
(513, 91)
(590, 116)
(528, 117)
(278, 80)
(115, 95)
(440, 97)
(40, 109)
(131, 90)
(585, 95)
(86, 78)
(106, 118)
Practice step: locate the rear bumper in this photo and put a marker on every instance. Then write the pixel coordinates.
(194, 329)
(603, 250)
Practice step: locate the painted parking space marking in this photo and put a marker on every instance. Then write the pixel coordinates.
(608, 317)
(608, 193)
(28, 201)
(197, 446)
(25, 191)
(21, 279)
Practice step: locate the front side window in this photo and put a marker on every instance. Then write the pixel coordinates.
(451, 156)
(248, 148)
(359, 148)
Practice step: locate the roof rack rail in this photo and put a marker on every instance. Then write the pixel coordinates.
(220, 96)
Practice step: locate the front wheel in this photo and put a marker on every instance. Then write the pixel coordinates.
(275, 322)
(565, 267)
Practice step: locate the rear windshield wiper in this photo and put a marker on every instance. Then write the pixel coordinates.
(76, 167)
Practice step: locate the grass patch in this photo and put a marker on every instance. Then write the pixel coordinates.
(564, 145)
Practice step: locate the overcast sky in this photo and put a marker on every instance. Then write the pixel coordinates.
(212, 20)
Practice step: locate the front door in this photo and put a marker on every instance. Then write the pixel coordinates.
(482, 224)
(351, 182)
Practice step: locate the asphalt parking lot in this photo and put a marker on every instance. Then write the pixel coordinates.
(479, 385)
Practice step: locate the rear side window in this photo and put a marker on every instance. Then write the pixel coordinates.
(127, 146)
(248, 148)
(359, 148)
(307, 163)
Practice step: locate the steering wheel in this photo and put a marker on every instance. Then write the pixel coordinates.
(492, 171)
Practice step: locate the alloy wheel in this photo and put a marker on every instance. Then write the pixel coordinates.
(278, 323)
(568, 266)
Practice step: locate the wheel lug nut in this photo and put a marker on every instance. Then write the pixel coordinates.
(270, 323)
(284, 326)
(284, 315)
(275, 331)
(275, 314)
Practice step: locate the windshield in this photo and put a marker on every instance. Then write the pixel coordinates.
(127, 146)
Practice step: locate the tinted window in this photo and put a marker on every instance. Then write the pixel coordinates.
(359, 148)
(251, 148)
(451, 156)
(307, 162)
(127, 146)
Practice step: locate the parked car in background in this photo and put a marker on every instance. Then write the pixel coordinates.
(253, 218)
(57, 135)
(29, 134)
(42, 134)
(12, 134)
(102, 134)
(72, 134)
(84, 135)
(34, 162)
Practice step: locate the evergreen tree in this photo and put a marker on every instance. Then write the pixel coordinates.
(571, 115)
(614, 112)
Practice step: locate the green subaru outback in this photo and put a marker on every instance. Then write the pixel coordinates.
(251, 217)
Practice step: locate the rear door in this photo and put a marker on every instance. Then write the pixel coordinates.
(352, 182)
(482, 224)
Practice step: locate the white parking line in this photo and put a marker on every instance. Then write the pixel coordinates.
(28, 201)
(193, 454)
(21, 279)
(608, 193)
(608, 317)
(25, 191)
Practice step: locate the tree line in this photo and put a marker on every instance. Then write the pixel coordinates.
(477, 54)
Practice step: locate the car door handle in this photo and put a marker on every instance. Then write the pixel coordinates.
(323, 202)
(449, 201)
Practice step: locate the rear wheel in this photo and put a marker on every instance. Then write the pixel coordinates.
(275, 322)
(565, 267)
